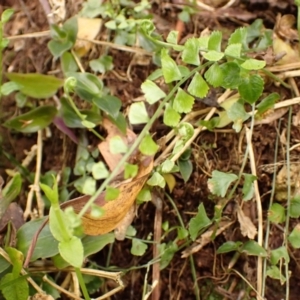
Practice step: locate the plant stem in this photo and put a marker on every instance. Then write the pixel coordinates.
(82, 284)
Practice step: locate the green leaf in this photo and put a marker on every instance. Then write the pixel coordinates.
(6, 15)
(8, 88)
(220, 182)
(267, 103)
(144, 195)
(294, 237)
(156, 180)
(214, 75)
(99, 171)
(171, 116)
(199, 222)
(253, 64)
(275, 273)
(248, 187)
(167, 166)
(253, 248)
(130, 170)
(120, 122)
(169, 67)
(276, 213)
(198, 87)
(231, 72)
(251, 88)
(36, 85)
(110, 104)
(58, 48)
(88, 86)
(229, 247)
(111, 193)
(72, 251)
(93, 244)
(63, 38)
(186, 169)
(18, 290)
(117, 145)
(148, 146)
(88, 124)
(236, 112)
(68, 63)
(51, 193)
(278, 254)
(239, 36)
(213, 55)
(234, 50)
(46, 245)
(167, 253)
(214, 42)
(138, 113)
(89, 186)
(155, 75)
(10, 192)
(35, 120)
(190, 53)
(58, 219)
(138, 248)
(185, 130)
(183, 102)
(102, 64)
(4, 264)
(172, 37)
(71, 118)
(254, 30)
(152, 92)
(16, 258)
(295, 207)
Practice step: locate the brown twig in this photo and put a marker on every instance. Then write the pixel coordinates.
(157, 236)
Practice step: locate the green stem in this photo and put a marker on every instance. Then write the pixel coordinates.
(82, 284)
(139, 139)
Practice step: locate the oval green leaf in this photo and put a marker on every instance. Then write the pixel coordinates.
(34, 120)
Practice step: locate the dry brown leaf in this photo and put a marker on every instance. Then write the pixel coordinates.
(87, 29)
(284, 37)
(120, 230)
(247, 227)
(115, 210)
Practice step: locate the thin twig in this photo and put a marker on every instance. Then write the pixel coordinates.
(157, 237)
(259, 209)
(35, 187)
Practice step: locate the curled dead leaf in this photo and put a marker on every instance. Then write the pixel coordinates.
(115, 210)
(247, 227)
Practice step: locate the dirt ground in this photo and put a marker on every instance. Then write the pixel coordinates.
(219, 150)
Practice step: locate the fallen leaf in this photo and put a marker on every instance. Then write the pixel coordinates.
(247, 227)
(87, 29)
(285, 40)
(115, 210)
